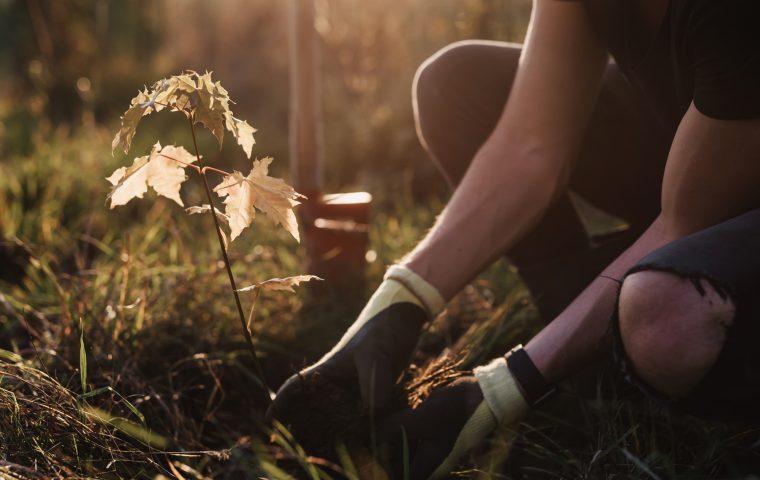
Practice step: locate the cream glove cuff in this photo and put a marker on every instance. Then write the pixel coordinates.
(501, 391)
(427, 294)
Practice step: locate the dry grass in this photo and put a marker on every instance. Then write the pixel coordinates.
(43, 420)
(117, 333)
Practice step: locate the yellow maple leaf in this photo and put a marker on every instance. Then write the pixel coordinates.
(210, 105)
(238, 204)
(244, 194)
(220, 216)
(209, 117)
(129, 121)
(195, 95)
(285, 284)
(164, 93)
(242, 132)
(161, 170)
(206, 208)
(185, 81)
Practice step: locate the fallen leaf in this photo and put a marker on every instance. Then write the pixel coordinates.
(243, 194)
(285, 284)
(160, 170)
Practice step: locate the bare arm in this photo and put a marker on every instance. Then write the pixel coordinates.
(527, 160)
(712, 174)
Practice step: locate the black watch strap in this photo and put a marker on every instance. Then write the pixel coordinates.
(534, 386)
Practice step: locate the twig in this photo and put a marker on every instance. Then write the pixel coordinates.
(246, 333)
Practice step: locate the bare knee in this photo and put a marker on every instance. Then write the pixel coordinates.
(432, 94)
(452, 62)
(449, 86)
(438, 68)
(672, 332)
(434, 85)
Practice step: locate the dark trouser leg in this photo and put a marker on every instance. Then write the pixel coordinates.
(459, 94)
(723, 258)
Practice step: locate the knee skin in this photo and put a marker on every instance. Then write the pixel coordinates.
(457, 96)
(671, 332)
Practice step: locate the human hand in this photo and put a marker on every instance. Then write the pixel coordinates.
(375, 349)
(452, 421)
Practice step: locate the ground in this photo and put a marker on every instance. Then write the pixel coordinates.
(122, 356)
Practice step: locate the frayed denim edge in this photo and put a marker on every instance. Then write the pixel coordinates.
(619, 355)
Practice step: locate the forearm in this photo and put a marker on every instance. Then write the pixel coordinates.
(579, 333)
(501, 198)
(526, 161)
(712, 174)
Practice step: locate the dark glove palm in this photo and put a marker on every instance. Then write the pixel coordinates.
(372, 354)
(432, 429)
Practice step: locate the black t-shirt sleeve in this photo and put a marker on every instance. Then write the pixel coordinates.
(724, 40)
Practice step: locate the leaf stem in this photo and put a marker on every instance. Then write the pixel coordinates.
(194, 167)
(243, 322)
(198, 169)
(215, 170)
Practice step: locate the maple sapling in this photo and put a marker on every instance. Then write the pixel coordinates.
(205, 102)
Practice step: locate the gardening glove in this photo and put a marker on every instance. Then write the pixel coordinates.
(453, 420)
(376, 348)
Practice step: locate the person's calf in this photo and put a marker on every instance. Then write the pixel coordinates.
(672, 331)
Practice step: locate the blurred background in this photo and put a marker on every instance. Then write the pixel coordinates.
(76, 64)
(130, 310)
(132, 304)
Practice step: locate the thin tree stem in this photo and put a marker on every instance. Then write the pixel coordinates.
(243, 323)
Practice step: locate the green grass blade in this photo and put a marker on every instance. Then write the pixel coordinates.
(109, 389)
(349, 469)
(639, 464)
(274, 472)
(128, 427)
(82, 359)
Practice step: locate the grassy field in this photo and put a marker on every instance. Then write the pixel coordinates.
(121, 354)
